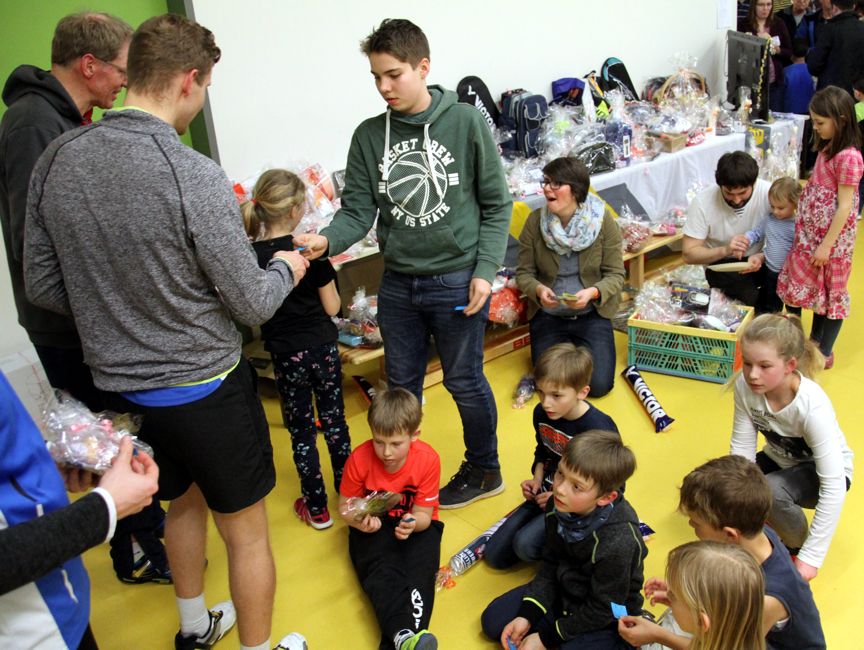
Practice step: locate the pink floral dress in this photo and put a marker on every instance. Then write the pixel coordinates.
(801, 284)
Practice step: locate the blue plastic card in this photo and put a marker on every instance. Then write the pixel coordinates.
(618, 610)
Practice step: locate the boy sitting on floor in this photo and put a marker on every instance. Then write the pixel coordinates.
(397, 554)
(592, 560)
(727, 500)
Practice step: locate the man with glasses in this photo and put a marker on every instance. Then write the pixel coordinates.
(88, 69)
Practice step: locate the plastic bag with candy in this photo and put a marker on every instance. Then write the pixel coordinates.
(76, 437)
(524, 391)
(376, 504)
(635, 229)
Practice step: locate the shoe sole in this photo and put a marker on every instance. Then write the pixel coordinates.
(311, 523)
(482, 495)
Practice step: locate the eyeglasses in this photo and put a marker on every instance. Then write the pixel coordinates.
(555, 185)
(122, 71)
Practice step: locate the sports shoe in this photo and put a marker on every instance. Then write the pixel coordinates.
(145, 571)
(222, 618)
(829, 361)
(294, 641)
(470, 484)
(319, 521)
(422, 640)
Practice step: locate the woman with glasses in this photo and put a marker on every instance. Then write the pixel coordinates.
(571, 269)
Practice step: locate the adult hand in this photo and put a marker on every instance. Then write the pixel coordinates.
(131, 480)
(807, 572)
(820, 255)
(478, 293)
(406, 526)
(514, 631)
(655, 591)
(580, 299)
(542, 498)
(737, 246)
(546, 296)
(76, 479)
(530, 489)
(755, 262)
(296, 261)
(637, 631)
(314, 245)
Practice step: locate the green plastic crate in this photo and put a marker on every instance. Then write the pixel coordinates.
(684, 351)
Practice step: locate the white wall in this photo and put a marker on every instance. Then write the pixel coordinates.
(292, 84)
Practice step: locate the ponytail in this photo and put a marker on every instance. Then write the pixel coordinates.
(251, 220)
(786, 333)
(275, 197)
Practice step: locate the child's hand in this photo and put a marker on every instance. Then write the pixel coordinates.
(406, 526)
(738, 245)
(655, 591)
(820, 255)
(313, 245)
(532, 642)
(514, 631)
(755, 262)
(542, 499)
(530, 489)
(369, 524)
(807, 572)
(637, 631)
(546, 296)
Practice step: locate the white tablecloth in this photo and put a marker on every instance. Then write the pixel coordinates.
(663, 183)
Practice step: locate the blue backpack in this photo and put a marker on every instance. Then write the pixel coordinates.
(522, 114)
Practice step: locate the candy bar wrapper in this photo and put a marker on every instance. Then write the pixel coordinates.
(375, 503)
(649, 402)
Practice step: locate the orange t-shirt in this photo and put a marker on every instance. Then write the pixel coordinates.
(417, 481)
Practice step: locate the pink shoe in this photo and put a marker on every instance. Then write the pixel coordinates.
(318, 522)
(829, 361)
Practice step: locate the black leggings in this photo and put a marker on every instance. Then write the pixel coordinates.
(824, 332)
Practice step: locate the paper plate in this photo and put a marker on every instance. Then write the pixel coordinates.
(730, 267)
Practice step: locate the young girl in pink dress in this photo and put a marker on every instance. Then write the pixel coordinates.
(817, 268)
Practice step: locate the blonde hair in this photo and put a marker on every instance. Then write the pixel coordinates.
(785, 189)
(724, 582)
(394, 411)
(275, 196)
(786, 334)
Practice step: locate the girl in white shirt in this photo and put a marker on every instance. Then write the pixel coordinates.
(805, 458)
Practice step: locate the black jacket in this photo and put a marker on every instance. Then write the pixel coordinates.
(577, 582)
(838, 57)
(40, 109)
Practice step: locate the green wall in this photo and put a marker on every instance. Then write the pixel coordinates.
(26, 29)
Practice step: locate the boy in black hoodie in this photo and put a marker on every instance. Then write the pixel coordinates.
(429, 168)
(592, 563)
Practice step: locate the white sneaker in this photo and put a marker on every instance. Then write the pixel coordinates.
(223, 616)
(294, 641)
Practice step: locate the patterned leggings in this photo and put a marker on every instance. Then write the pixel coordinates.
(299, 375)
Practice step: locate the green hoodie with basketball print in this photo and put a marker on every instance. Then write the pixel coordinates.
(439, 190)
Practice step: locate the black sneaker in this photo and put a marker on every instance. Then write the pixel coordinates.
(145, 571)
(222, 618)
(470, 484)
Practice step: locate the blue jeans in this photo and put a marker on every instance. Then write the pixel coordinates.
(413, 307)
(521, 537)
(591, 331)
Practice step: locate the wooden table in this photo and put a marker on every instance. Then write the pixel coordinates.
(636, 270)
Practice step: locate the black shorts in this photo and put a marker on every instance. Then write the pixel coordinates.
(221, 443)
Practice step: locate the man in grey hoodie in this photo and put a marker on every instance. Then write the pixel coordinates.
(141, 239)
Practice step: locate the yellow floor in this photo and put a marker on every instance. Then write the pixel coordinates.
(317, 593)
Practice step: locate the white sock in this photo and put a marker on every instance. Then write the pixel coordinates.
(194, 616)
(262, 646)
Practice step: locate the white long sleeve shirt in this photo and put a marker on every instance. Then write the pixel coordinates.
(805, 430)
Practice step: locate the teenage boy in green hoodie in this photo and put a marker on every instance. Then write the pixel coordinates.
(429, 168)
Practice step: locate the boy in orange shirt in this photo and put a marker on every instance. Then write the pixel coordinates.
(396, 555)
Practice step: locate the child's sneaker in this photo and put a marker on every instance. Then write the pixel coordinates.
(319, 521)
(422, 640)
(145, 571)
(829, 361)
(294, 641)
(468, 485)
(222, 618)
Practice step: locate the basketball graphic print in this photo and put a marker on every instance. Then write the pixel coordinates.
(411, 185)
